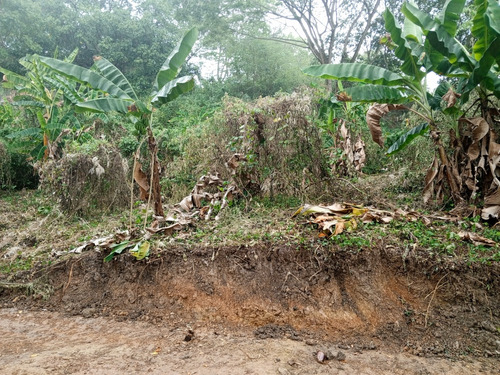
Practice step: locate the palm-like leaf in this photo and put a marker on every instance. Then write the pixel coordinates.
(450, 15)
(173, 89)
(111, 72)
(377, 93)
(356, 72)
(407, 138)
(105, 105)
(83, 75)
(177, 57)
(403, 51)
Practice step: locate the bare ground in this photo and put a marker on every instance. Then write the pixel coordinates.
(262, 309)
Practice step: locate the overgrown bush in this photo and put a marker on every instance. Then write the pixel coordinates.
(87, 183)
(280, 148)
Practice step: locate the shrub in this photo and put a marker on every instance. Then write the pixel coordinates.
(87, 183)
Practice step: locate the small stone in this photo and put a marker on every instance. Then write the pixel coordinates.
(283, 371)
(88, 312)
(311, 342)
(329, 354)
(340, 356)
(320, 357)
(372, 346)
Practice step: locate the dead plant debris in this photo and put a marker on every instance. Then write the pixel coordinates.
(344, 217)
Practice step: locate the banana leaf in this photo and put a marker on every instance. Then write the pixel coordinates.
(177, 57)
(356, 72)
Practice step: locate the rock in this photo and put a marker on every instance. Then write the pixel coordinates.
(320, 357)
(283, 371)
(88, 312)
(340, 356)
(372, 346)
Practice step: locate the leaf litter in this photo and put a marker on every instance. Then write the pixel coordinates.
(338, 218)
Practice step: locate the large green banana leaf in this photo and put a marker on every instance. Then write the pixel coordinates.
(407, 138)
(485, 25)
(377, 93)
(177, 57)
(173, 89)
(111, 72)
(450, 15)
(439, 38)
(403, 51)
(84, 75)
(105, 105)
(356, 72)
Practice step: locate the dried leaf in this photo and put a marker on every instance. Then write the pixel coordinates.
(373, 116)
(480, 129)
(493, 198)
(170, 229)
(187, 203)
(343, 97)
(142, 180)
(339, 228)
(429, 180)
(359, 154)
(488, 213)
(451, 97)
(494, 157)
(476, 239)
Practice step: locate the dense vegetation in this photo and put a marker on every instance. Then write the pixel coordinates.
(78, 114)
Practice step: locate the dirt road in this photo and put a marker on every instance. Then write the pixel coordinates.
(42, 342)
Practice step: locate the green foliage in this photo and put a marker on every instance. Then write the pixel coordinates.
(408, 137)
(117, 93)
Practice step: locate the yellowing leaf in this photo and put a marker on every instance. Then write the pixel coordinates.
(141, 250)
(359, 211)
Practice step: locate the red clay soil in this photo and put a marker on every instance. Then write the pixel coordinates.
(261, 309)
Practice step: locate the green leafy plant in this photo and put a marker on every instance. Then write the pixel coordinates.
(42, 92)
(424, 44)
(115, 94)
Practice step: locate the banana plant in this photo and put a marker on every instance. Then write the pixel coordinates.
(395, 90)
(42, 92)
(117, 95)
(475, 70)
(476, 149)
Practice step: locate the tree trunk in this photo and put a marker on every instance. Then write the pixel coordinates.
(452, 183)
(155, 190)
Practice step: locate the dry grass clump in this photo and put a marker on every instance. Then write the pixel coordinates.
(280, 147)
(85, 184)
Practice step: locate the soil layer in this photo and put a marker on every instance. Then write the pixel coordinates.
(264, 305)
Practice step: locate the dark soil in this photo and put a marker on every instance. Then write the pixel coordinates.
(360, 301)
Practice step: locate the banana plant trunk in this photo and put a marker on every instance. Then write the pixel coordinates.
(155, 190)
(452, 182)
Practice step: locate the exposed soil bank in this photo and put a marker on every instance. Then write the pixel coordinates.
(375, 298)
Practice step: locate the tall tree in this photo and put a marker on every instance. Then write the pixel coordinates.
(330, 29)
